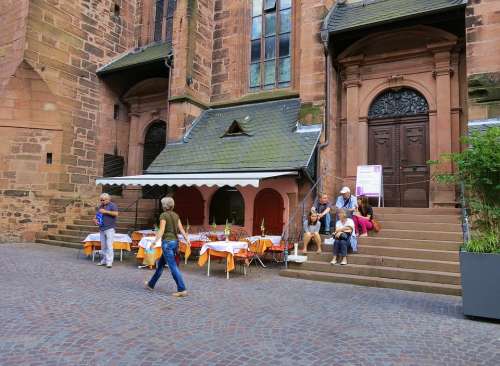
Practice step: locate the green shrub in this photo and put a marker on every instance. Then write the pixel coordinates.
(478, 168)
(484, 242)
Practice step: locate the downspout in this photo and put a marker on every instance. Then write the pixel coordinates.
(325, 124)
(168, 64)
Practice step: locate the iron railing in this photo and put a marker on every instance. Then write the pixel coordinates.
(465, 214)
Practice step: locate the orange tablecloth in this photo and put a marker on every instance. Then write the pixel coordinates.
(117, 245)
(183, 248)
(215, 253)
(262, 245)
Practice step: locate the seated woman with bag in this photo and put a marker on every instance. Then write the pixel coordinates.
(311, 231)
(345, 238)
(363, 216)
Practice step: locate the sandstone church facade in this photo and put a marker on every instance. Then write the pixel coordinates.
(284, 91)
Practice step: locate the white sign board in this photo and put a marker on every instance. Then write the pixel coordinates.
(369, 181)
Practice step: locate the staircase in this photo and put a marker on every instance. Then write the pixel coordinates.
(73, 234)
(416, 250)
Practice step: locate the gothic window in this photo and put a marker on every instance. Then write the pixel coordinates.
(398, 103)
(227, 204)
(270, 65)
(164, 20)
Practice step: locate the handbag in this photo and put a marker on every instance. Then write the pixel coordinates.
(344, 236)
(376, 225)
(149, 258)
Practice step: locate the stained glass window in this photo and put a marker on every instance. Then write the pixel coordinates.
(270, 51)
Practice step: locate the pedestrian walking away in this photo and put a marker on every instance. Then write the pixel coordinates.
(170, 226)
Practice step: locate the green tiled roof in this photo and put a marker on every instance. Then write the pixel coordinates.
(136, 57)
(273, 142)
(349, 16)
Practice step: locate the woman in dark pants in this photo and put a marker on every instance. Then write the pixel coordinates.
(344, 228)
(170, 225)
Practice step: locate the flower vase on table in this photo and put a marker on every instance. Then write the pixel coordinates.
(227, 230)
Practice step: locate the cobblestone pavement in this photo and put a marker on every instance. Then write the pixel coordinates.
(56, 309)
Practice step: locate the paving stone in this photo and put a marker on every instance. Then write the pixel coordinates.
(57, 309)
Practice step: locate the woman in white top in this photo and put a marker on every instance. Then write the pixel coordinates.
(344, 228)
(311, 231)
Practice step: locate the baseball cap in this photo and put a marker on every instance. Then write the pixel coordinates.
(345, 190)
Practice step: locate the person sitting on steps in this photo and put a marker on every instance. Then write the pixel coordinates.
(323, 209)
(363, 216)
(346, 201)
(311, 231)
(345, 238)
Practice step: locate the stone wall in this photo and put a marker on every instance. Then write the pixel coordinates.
(483, 58)
(54, 102)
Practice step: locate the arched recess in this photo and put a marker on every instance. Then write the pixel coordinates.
(227, 204)
(155, 140)
(398, 139)
(268, 206)
(189, 205)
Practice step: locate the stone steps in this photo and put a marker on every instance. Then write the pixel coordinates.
(428, 226)
(387, 217)
(418, 235)
(120, 224)
(59, 243)
(381, 271)
(416, 250)
(397, 262)
(407, 285)
(409, 243)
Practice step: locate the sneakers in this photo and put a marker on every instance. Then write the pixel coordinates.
(344, 261)
(180, 294)
(334, 260)
(146, 285)
(109, 266)
(100, 264)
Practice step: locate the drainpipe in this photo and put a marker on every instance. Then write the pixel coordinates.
(325, 124)
(168, 64)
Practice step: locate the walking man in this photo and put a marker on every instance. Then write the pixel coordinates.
(105, 218)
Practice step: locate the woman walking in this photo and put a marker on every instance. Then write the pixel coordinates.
(170, 226)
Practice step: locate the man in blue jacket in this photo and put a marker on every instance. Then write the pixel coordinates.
(105, 218)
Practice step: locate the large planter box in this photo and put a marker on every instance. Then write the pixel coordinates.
(480, 284)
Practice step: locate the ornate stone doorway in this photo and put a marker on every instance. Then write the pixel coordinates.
(398, 139)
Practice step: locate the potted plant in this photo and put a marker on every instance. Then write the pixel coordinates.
(477, 169)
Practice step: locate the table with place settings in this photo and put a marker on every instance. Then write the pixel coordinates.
(92, 243)
(221, 249)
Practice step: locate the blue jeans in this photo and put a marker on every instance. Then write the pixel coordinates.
(340, 247)
(169, 249)
(326, 222)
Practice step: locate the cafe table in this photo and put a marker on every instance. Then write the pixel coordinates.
(139, 234)
(149, 241)
(93, 242)
(221, 249)
(263, 243)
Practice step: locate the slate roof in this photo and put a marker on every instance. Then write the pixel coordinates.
(362, 14)
(272, 142)
(137, 57)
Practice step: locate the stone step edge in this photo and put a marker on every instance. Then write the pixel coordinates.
(407, 249)
(59, 243)
(380, 238)
(398, 269)
(385, 257)
(417, 231)
(376, 281)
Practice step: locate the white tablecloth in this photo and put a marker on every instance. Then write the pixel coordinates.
(146, 232)
(123, 238)
(275, 239)
(147, 241)
(194, 237)
(224, 246)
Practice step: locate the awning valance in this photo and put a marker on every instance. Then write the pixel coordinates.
(194, 179)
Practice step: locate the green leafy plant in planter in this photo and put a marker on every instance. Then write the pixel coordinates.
(477, 167)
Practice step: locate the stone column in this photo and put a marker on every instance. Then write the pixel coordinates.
(442, 139)
(133, 161)
(352, 84)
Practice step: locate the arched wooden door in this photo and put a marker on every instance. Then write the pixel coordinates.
(398, 139)
(268, 205)
(154, 143)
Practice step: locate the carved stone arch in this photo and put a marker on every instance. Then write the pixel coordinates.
(405, 84)
(400, 102)
(394, 41)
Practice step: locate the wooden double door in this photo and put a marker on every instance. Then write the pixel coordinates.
(401, 146)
